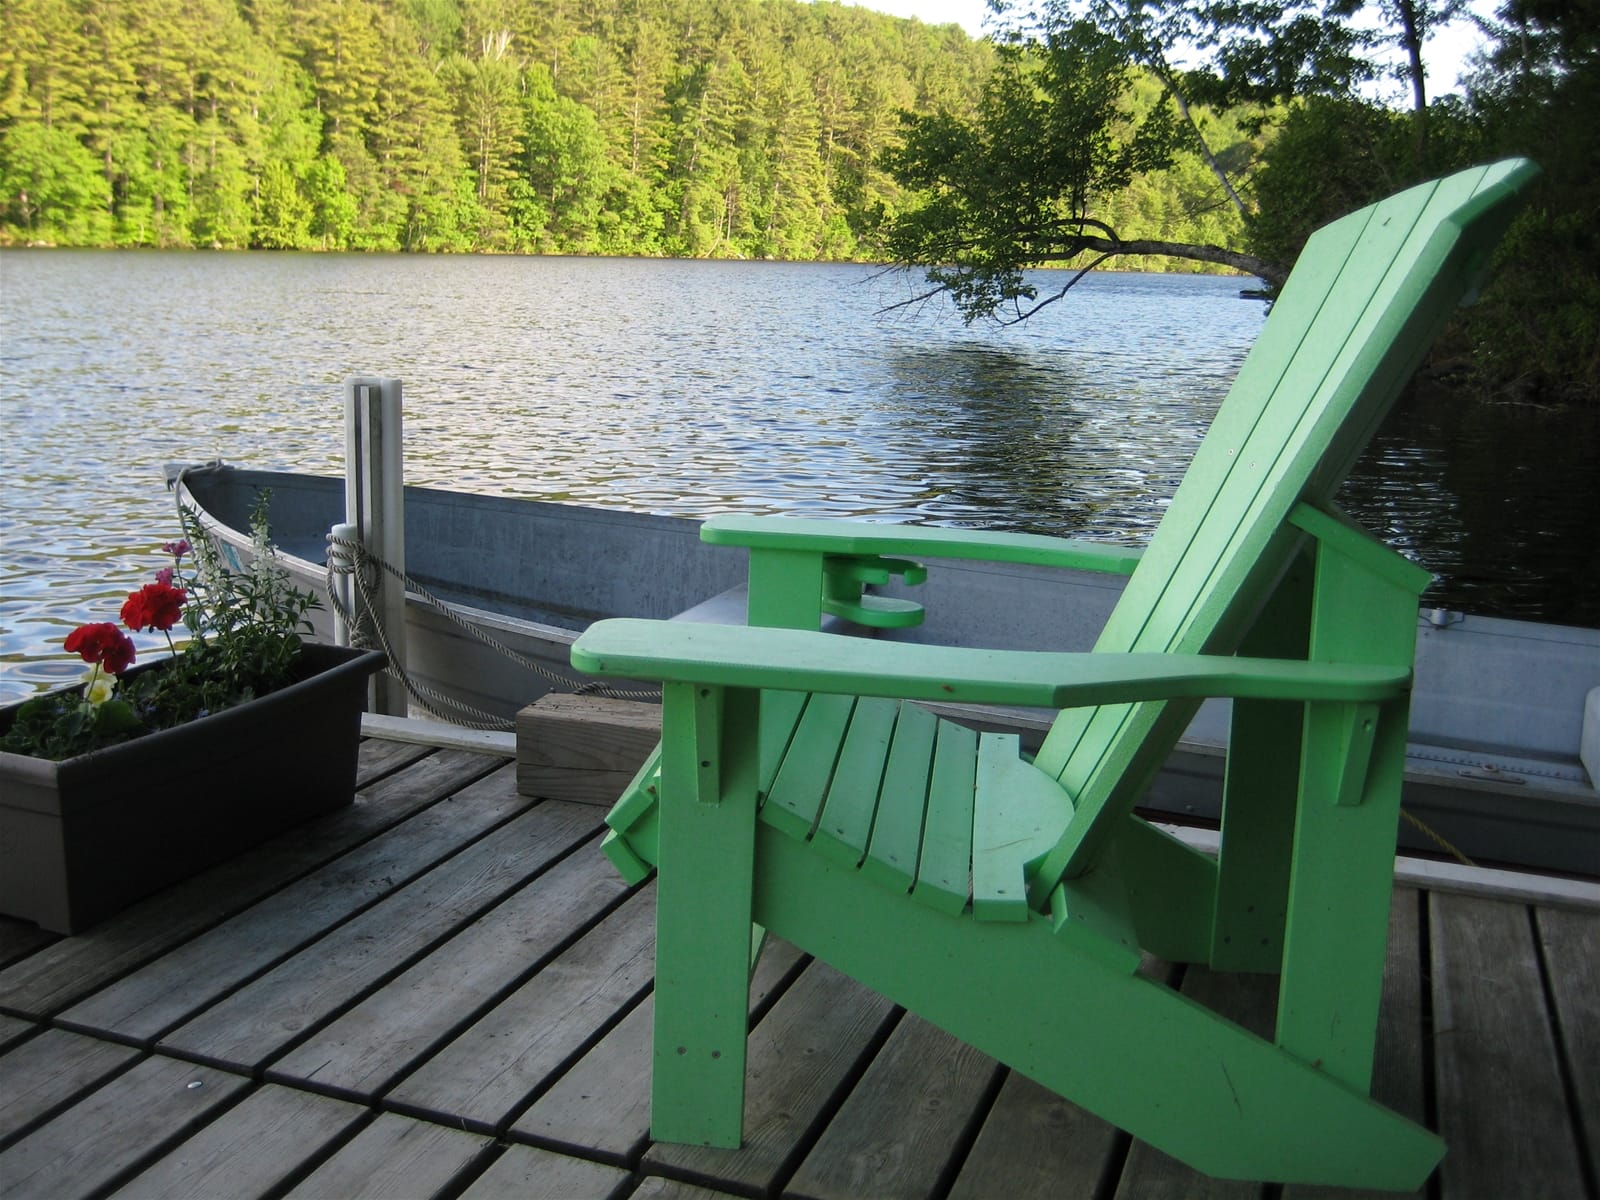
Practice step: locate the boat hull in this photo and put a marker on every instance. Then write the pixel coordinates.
(1497, 708)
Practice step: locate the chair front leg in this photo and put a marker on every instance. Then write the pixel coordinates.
(1341, 883)
(703, 913)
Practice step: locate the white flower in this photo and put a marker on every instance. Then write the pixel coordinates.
(100, 688)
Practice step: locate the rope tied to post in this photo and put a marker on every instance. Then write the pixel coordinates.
(348, 557)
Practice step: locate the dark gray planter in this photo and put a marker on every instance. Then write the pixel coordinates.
(83, 838)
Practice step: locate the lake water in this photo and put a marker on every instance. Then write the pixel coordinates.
(689, 388)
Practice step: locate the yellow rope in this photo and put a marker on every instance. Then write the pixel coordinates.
(1433, 835)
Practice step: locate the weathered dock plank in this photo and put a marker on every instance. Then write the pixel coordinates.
(68, 969)
(142, 1005)
(801, 1054)
(249, 1150)
(1571, 943)
(656, 1188)
(115, 1128)
(378, 757)
(493, 979)
(18, 939)
(528, 1173)
(898, 1134)
(384, 1036)
(394, 1156)
(1501, 1104)
(1148, 1174)
(275, 1010)
(13, 1030)
(602, 1105)
(491, 1070)
(1036, 1146)
(49, 1072)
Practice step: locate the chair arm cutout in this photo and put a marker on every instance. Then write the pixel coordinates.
(845, 578)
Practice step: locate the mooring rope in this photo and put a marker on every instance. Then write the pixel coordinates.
(359, 563)
(1434, 836)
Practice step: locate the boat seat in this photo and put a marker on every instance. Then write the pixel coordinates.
(732, 608)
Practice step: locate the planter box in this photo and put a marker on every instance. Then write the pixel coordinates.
(83, 838)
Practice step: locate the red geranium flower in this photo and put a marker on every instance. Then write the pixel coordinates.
(103, 643)
(154, 606)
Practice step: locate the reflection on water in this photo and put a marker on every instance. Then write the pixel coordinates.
(1499, 501)
(683, 388)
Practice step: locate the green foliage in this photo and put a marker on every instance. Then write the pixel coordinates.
(1329, 157)
(1069, 146)
(60, 725)
(747, 129)
(1534, 334)
(51, 186)
(244, 629)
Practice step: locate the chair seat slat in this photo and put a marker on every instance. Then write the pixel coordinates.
(897, 827)
(846, 825)
(944, 870)
(794, 801)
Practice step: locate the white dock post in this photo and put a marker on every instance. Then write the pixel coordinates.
(374, 500)
(341, 584)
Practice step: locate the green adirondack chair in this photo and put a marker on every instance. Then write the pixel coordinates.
(1007, 900)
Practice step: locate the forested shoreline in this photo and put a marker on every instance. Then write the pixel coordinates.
(744, 128)
(781, 129)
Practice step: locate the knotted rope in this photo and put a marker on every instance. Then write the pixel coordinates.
(354, 560)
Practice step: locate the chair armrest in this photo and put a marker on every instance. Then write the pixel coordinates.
(881, 538)
(799, 660)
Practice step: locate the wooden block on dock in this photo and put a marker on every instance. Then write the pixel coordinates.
(583, 748)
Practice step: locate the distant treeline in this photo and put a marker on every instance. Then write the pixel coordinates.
(737, 128)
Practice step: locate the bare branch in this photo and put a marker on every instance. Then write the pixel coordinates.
(1064, 289)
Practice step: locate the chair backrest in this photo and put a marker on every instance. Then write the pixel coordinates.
(1367, 297)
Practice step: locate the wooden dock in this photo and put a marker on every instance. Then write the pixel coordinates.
(444, 991)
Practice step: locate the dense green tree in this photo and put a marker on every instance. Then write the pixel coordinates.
(283, 214)
(1057, 138)
(332, 223)
(51, 184)
(568, 172)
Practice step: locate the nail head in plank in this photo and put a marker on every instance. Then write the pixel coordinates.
(138, 1114)
(248, 1150)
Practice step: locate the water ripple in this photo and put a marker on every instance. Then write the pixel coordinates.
(685, 388)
